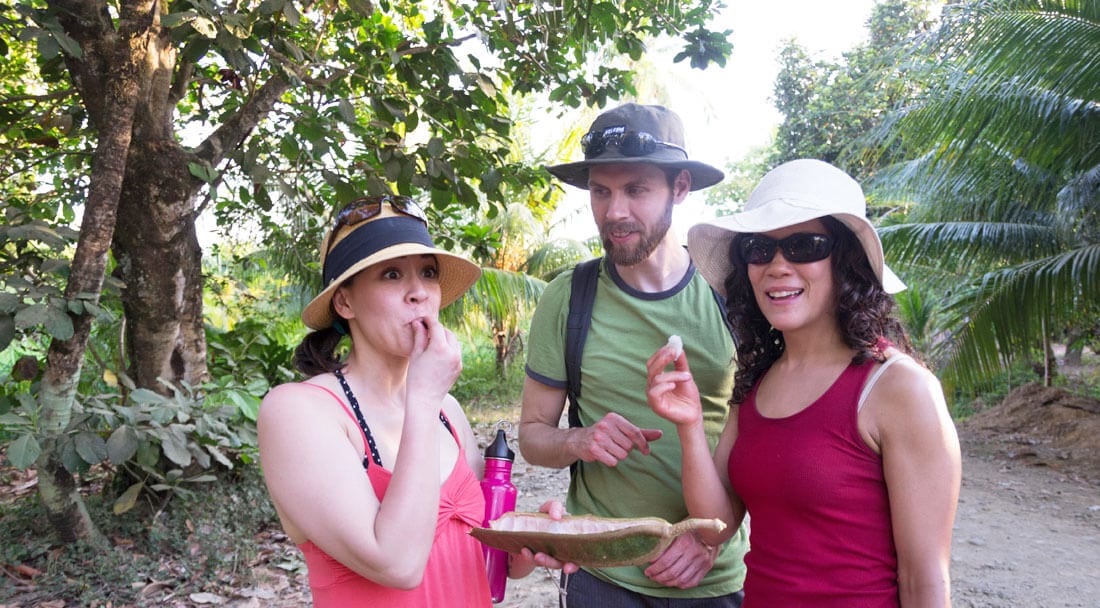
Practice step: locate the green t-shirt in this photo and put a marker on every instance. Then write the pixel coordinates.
(627, 327)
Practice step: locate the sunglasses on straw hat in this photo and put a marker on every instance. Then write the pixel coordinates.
(799, 248)
(364, 208)
(370, 230)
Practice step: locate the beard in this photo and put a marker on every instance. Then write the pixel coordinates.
(629, 256)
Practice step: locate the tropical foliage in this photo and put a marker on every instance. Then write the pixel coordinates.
(997, 161)
(142, 116)
(828, 106)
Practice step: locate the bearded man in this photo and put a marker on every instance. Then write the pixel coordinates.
(636, 170)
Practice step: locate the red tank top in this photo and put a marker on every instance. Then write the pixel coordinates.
(455, 574)
(819, 515)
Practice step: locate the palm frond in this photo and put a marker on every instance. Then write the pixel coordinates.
(551, 258)
(499, 298)
(965, 246)
(1003, 315)
(981, 184)
(1023, 75)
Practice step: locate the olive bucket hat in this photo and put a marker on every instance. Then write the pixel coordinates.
(794, 192)
(374, 229)
(634, 133)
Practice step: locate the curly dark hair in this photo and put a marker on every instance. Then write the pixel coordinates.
(864, 311)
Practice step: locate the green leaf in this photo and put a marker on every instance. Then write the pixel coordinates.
(122, 444)
(24, 451)
(248, 405)
(145, 396)
(128, 499)
(147, 454)
(205, 27)
(48, 47)
(172, 20)
(204, 172)
(91, 447)
(291, 13)
(7, 330)
(217, 454)
(347, 111)
(436, 147)
(59, 324)
(97, 311)
(9, 301)
(69, 456)
(35, 314)
(174, 444)
(12, 420)
(69, 45)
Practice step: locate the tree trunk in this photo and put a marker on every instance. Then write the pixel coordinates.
(106, 76)
(1076, 338)
(159, 261)
(128, 83)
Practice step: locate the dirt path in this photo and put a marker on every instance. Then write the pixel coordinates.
(1025, 534)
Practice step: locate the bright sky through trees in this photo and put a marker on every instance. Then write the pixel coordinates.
(728, 111)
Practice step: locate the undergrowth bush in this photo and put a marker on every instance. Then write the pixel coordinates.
(485, 394)
(205, 539)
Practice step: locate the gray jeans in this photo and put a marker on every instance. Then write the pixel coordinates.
(586, 591)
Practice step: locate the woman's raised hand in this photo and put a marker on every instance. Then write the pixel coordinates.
(435, 362)
(672, 394)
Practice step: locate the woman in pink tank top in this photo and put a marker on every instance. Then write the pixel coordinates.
(371, 463)
(839, 445)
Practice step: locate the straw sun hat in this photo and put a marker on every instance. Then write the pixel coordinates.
(633, 133)
(794, 192)
(374, 229)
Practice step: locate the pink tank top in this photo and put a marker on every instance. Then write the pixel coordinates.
(819, 514)
(455, 574)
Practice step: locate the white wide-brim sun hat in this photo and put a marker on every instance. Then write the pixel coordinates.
(794, 192)
(383, 237)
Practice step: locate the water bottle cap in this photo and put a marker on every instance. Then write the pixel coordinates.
(499, 448)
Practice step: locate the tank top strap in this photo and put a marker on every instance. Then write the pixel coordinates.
(371, 445)
(874, 378)
(362, 422)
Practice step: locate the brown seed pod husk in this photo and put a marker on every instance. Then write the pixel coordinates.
(587, 540)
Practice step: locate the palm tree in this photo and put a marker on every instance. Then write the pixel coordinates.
(999, 160)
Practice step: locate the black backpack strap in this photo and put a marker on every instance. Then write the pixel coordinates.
(582, 295)
(721, 301)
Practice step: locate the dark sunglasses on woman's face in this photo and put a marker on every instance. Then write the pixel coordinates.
(798, 248)
(630, 143)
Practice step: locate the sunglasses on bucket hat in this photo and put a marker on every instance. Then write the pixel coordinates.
(364, 208)
(799, 248)
(629, 143)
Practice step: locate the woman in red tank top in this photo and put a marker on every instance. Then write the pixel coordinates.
(839, 445)
(396, 533)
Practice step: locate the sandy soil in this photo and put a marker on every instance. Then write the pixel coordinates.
(1027, 532)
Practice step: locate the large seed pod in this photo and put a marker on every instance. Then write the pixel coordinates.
(587, 540)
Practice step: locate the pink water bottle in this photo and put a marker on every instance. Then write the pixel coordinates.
(500, 498)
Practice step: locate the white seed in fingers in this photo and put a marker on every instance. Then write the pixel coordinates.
(676, 344)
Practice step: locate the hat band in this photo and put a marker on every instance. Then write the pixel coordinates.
(370, 238)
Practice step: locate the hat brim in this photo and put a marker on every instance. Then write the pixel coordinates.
(456, 275)
(576, 174)
(709, 242)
